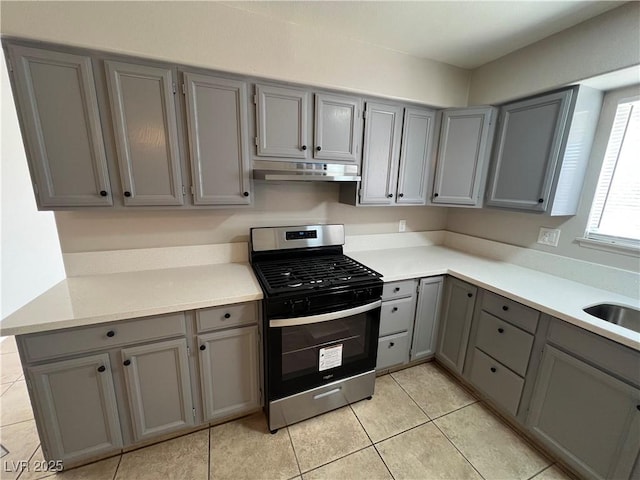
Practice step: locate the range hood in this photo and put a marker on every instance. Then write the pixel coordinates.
(305, 172)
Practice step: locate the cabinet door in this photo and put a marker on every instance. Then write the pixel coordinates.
(380, 153)
(463, 156)
(282, 116)
(587, 416)
(530, 137)
(229, 371)
(144, 118)
(455, 323)
(57, 103)
(78, 405)
(426, 321)
(415, 156)
(217, 125)
(337, 128)
(158, 387)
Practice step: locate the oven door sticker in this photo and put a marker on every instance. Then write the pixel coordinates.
(330, 357)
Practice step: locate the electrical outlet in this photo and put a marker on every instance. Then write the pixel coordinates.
(549, 236)
(402, 225)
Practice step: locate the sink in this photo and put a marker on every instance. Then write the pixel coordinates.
(627, 317)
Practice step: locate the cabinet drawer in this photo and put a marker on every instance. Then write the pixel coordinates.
(215, 318)
(524, 317)
(405, 288)
(496, 381)
(393, 350)
(504, 342)
(60, 343)
(396, 316)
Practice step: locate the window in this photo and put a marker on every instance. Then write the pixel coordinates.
(615, 213)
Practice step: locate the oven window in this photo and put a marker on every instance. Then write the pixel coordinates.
(301, 345)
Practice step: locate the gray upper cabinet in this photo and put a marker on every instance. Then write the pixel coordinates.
(229, 371)
(589, 417)
(466, 136)
(217, 126)
(415, 153)
(337, 128)
(158, 387)
(58, 108)
(283, 122)
(455, 323)
(146, 132)
(78, 405)
(426, 320)
(542, 150)
(380, 154)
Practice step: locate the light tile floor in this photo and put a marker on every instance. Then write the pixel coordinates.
(420, 424)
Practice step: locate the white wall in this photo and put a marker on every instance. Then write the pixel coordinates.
(30, 257)
(602, 44)
(217, 36)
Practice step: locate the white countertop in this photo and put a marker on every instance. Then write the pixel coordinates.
(92, 299)
(555, 296)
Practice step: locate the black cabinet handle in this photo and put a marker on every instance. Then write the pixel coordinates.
(638, 407)
(126, 363)
(101, 368)
(390, 195)
(127, 194)
(493, 369)
(318, 148)
(396, 290)
(111, 333)
(401, 195)
(540, 200)
(505, 308)
(394, 309)
(501, 330)
(435, 195)
(391, 344)
(103, 193)
(246, 194)
(304, 147)
(203, 347)
(469, 295)
(227, 315)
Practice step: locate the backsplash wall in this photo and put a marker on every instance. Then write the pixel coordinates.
(288, 203)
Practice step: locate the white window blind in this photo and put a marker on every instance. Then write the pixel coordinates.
(615, 212)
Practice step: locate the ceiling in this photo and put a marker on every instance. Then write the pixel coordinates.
(466, 34)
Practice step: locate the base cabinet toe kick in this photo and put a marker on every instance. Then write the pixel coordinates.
(102, 389)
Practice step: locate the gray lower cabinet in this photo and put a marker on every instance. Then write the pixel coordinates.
(76, 404)
(146, 132)
(58, 108)
(229, 371)
(466, 137)
(455, 323)
(217, 111)
(426, 320)
(542, 151)
(586, 415)
(283, 122)
(337, 128)
(158, 388)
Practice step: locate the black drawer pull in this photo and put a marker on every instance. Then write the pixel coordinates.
(401, 195)
(396, 290)
(493, 369)
(103, 193)
(541, 200)
(127, 194)
(505, 308)
(638, 407)
(304, 147)
(111, 333)
(394, 309)
(101, 368)
(435, 195)
(391, 344)
(203, 347)
(390, 195)
(501, 330)
(126, 363)
(469, 295)
(246, 194)
(227, 315)
(318, 148)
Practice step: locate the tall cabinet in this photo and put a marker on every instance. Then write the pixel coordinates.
(58, 108)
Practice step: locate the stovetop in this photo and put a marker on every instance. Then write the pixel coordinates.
(304, 274)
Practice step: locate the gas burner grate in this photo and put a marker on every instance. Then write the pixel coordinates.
(282, 276)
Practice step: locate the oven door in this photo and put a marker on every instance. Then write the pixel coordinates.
(306, 352)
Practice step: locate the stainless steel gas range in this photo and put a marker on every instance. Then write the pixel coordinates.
(321, 320)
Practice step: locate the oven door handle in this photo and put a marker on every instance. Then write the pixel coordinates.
(324, 317)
